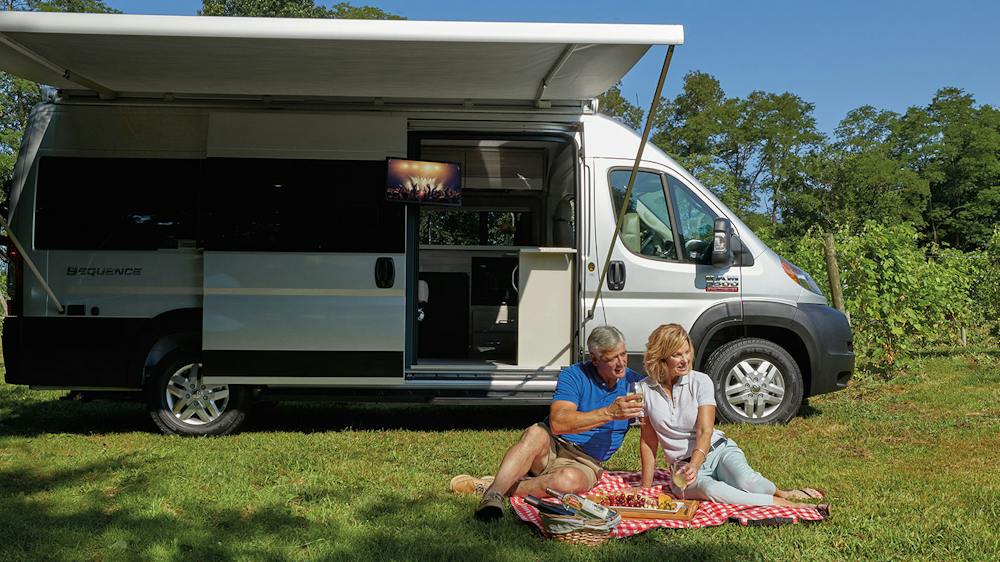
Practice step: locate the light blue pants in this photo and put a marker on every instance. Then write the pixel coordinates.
(726, 477)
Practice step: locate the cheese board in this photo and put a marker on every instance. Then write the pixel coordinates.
(663, 507)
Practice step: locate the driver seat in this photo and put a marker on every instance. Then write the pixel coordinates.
(630, 235)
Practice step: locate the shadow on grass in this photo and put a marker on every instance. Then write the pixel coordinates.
(44, 516)
(47, 514)
(35, 417)
(808, 411)
(413, 528)
(308, 417)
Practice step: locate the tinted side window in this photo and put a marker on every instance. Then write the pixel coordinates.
(300, 206)
(462, 227)
(646, 227)
(696, 222)
(116, 203)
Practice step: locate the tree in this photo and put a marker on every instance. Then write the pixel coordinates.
(292, 9)
(613, 104)
(694, 127)
(17, 95)
(789, 133)
(748, 151)
(955, 146)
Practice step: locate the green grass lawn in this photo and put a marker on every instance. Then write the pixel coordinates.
(912, 468)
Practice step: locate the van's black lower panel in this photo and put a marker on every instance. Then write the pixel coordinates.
(302, 364)
(75, 352)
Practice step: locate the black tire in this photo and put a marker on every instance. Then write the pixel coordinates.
(218, 410)
(761, 396)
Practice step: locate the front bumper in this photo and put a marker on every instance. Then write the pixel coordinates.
(833, 347)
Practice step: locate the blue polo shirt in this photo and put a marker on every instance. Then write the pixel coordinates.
(581, 385)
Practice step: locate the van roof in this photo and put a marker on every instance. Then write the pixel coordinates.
(118, 55)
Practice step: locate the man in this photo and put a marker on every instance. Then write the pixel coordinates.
(587, 422)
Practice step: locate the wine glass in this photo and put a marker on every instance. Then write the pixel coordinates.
(678, 477)
(635, 395)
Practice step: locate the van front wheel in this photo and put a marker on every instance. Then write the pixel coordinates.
(180, 403)
(756, 381)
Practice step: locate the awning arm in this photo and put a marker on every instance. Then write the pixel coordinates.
(567, 52)
(105, 92)
(31, 264)
(631, 178)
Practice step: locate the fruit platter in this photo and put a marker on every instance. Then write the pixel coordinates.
(630, 505)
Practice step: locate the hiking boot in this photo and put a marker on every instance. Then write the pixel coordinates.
(465, 484)
(491, 507)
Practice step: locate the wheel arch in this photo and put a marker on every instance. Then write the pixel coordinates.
(168, 332)
(773, 321)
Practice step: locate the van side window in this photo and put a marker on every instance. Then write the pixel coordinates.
(464, 227)
(696, 222)
(282, 205)
(116, 203)
(646, 227)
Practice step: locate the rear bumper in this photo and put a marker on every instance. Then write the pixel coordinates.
(832, 355)
(11, 349)
(74, 352)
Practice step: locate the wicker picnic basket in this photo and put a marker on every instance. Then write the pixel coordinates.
(577, 530)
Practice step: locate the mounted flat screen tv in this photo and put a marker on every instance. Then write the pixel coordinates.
(422, 182)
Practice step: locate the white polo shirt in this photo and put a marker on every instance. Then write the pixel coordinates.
(674, 419)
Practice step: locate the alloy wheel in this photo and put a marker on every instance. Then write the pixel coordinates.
(755, 388)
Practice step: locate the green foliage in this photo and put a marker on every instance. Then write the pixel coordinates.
(79, 6)
(900, 297)
(17, 95)
(750, 151)
(613, 104)
(985, 285)
(292, 9)
(956, 147)
(857, 178)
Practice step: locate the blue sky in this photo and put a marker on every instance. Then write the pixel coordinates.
(836, 55)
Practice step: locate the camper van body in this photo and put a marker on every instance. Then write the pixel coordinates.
(211, 251)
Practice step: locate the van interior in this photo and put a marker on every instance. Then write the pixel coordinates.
(501, 266)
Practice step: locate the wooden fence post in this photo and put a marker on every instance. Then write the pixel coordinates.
(833, 272)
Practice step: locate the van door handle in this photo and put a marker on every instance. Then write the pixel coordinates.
(616, 276)
(385, 273)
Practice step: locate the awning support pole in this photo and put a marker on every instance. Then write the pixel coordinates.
(103, 91)
(631, 178)
(567, 52)
(31, 264)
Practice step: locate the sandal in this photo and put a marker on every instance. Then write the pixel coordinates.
(806, 494)
(824, 510)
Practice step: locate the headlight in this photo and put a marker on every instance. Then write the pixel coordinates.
(801, 277)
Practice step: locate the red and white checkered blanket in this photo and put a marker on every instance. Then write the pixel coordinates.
(709, 514)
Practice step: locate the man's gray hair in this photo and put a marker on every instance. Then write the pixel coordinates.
(604, 338)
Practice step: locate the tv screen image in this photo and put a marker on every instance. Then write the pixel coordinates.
(417, 181)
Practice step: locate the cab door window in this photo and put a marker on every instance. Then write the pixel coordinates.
(695, 222)
(646, 228)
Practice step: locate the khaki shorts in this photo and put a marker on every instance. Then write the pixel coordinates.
(563, 454)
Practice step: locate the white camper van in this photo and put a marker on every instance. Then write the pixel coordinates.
(199, 212)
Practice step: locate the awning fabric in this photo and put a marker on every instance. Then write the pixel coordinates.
(134, 55)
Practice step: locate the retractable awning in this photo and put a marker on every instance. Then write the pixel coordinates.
(150, 56)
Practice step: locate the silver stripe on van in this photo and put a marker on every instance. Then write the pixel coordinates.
(296, 292)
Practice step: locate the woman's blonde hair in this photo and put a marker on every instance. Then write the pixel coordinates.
(664, 342)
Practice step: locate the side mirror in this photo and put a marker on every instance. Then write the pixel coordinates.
(722, 251)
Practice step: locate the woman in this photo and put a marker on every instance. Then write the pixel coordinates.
(679, 407)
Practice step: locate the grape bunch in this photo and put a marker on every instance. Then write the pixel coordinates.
(629, 500)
